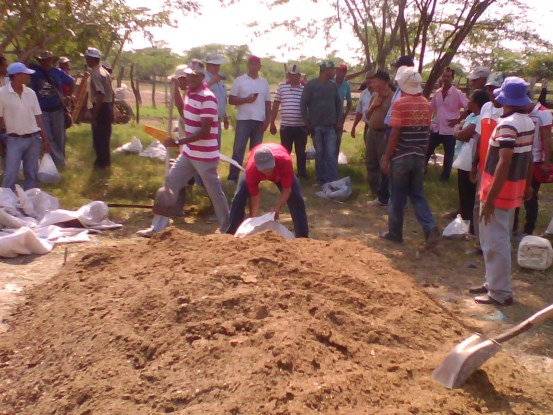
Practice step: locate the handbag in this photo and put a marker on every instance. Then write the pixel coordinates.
(543, 177)
(464, 159)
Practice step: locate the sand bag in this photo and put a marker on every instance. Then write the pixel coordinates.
(464, 159)
(23, 242)
(342, 159)
(337, 190)
(535, 252)
(155, 150)
(133, 146)
(457, 228)
(47, 171)
(262, 223)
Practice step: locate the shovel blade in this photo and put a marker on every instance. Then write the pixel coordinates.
(465, 359)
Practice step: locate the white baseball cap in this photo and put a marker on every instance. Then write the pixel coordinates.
(215, 59)
(181, 71)
(93, 53)
(410, 81)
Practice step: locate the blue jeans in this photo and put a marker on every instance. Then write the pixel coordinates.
(54, 125)
(26, 150)
(245, 130)
(326, 163)
(406, 180)
(449, 151)
(383, 192)
(296, 206)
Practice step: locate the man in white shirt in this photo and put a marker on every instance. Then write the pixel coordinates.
(250, 94)
(21, 116)
(363, 106)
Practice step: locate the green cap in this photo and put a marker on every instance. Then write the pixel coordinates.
(327, 65)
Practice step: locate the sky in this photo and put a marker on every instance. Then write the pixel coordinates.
(231, 25)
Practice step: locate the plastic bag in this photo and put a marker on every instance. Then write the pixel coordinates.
(155, 150)
(134, 146)
(310, 153)
(342, 159)
(337, 190)
(47, 171)
(457, 228)
(549, 230)
(464, 159)
(263, 223)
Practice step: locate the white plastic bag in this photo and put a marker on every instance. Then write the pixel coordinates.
(47, 171)
(262, 223)
(457, 228)
(549, 230)
(310, 153)
(134, 146)
(155, 150)
(342, 158)
(464, 159)
(337, 190)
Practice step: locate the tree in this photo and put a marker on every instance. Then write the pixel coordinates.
(541, 66)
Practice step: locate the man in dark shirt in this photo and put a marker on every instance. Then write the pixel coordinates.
(321, 109)
(48, 83)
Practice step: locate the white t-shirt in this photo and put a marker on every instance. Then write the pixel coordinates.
(488, 111)
(541, 118)
(19, 112)
(244, 86)
(363, 104)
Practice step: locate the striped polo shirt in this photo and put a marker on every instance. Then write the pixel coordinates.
(514, 131)
(412, 114)
(199, 105)
(290, 99)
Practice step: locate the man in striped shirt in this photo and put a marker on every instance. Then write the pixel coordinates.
(200, 152)
(292, 126)
(505, 181)
(404, 159)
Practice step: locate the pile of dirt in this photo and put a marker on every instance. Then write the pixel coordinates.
(215, 325)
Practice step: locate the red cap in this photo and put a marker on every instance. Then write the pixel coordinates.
(254, 58)
(343, 67)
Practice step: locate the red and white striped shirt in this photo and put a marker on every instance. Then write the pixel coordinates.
(200, 105)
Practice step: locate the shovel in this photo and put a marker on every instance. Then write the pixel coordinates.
(468, 356)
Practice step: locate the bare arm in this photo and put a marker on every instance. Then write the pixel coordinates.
(282, 199)
(545, 134)
(254, 205)
(358, 117)
(390, 149)
(499, 178)
(45, 143)
(234, 100)
(274, 113)
(466, 133)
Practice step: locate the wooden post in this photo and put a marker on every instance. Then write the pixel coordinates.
(154, 91)
(136, 90)
(120, 77)
(165, 101)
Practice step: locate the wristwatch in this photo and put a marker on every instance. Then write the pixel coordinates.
(177, 142)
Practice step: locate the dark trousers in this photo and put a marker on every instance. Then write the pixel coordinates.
(449, 151)
(531, 207)
(101, 136)
(467, 195)
(297, 137)
(296, 206)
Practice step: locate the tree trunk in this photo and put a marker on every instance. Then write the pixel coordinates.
(154, 91)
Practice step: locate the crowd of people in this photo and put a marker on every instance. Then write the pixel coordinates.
(497, 138)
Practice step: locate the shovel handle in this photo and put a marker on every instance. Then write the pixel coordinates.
(539, 318)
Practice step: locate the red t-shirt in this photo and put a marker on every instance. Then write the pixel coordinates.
(283, 172)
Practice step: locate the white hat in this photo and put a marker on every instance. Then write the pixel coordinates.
(64, 59)
(215, 59)
(93, 53)
(410, 81)
(181, 71)
(294, 70)
(479, 72)
(400, 71)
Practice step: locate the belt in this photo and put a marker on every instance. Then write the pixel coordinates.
(380, 130)
(23, 135)
(53, 110)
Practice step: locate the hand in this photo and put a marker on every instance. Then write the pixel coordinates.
(310, 129)
(265, 125)
(528, 193)
(339, 126)
(487, 212)
(352, 132)
(170, 142)
(46, 147)
(276, 212)
(250, 98)
(377, 102)
(452, 123)
(543, 83)
(473, 175)
(226, 123)
(273, 129)
(385, 167)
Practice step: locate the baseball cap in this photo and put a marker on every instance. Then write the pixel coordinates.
(93, 53)
(197, 71)
(180, 71)
(263, 158)
(46, 54)
(404, 61)
(18, 67)
(479, 72)
(382, 75)
(64, 59)
(513, 92)
(410, 81)
(495, 79)
(215, 59)
(327, 64)
(294, 70)
(254, 58)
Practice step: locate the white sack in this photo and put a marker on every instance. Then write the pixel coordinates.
(458, 227)
(155, 150)
(342, 158)
(133, 146)
(23, 242)
(262, 223)
(47, 171)
(337, 190)
(464, 159)
(34, 202)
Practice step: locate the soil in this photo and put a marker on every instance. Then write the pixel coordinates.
(191, 324)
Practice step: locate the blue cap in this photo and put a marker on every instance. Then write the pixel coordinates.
(19, 67)
(513, 92)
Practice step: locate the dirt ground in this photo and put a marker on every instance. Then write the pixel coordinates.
(194, 324)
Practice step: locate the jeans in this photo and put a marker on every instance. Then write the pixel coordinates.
(383, 192)
(296, 206)
(531, 207)
(297, 137)
(54, 125)
(245, 130)
(101, 136)
(326, 163)
(375, 147)
(449, 151)
(406, 180)
(26, 150)
(467, 195)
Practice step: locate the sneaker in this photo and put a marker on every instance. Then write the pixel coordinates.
(376, 202)
(486, 299)
(146, 233)
(433, 238)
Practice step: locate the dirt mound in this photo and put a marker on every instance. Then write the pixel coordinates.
(214, 325)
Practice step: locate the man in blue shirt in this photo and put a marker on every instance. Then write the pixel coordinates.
(48, 83)
(215, 83)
